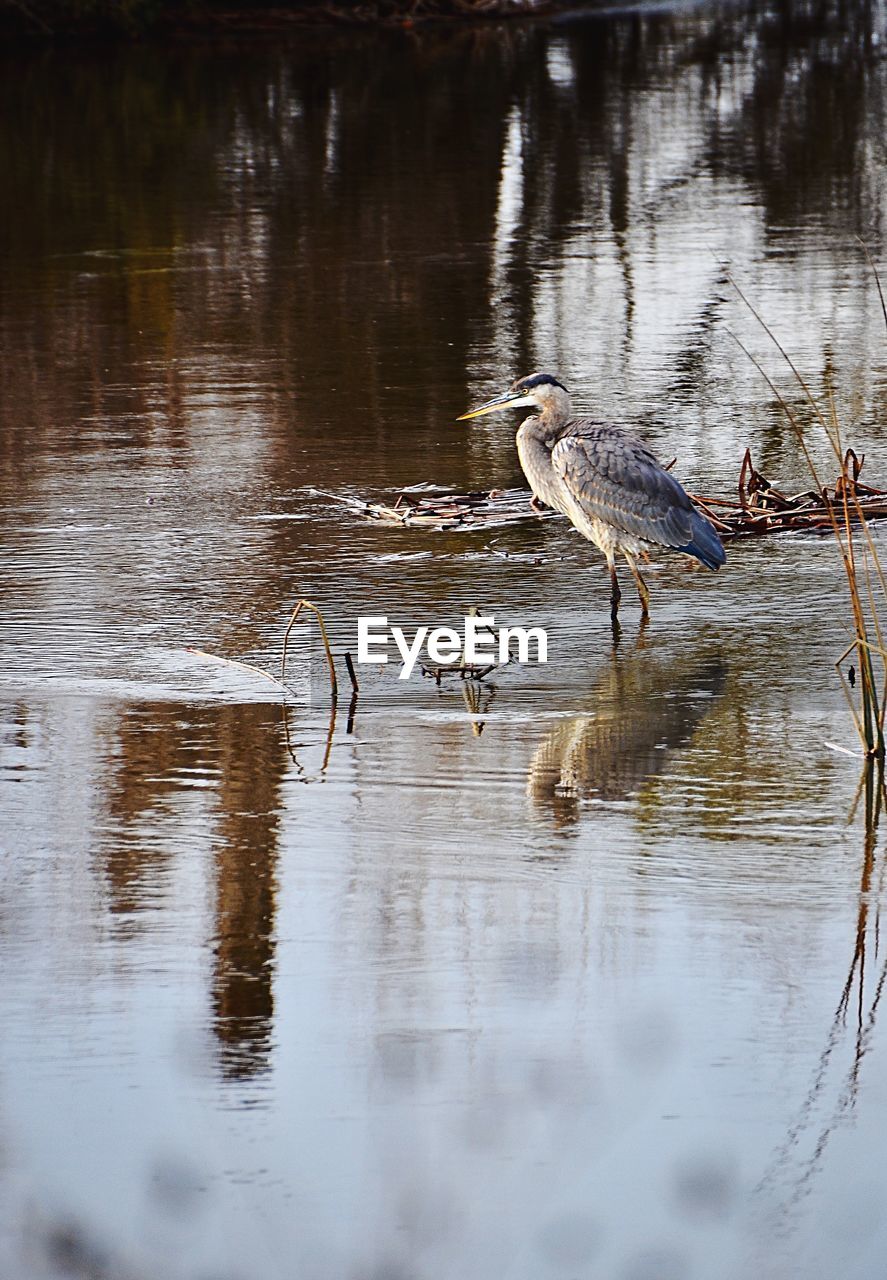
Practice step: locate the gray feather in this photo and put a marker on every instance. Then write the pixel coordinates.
(615, 478)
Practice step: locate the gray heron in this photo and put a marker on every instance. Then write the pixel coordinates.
(604, 480)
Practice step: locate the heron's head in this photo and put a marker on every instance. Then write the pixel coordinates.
(539, 390)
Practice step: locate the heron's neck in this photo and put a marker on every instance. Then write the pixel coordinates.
(548, 422)
(534, 444)
(556, 411)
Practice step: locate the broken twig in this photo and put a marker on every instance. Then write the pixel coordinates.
(306, 604)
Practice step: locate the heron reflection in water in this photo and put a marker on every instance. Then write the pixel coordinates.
(605, 481)
(643, 711)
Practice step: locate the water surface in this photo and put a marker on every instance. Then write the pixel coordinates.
(573, 974)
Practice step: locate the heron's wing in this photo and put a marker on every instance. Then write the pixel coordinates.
(614, 478)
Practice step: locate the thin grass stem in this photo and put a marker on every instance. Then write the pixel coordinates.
(306, 604)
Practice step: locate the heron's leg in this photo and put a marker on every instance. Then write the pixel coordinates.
(643, 590)
(615, 593)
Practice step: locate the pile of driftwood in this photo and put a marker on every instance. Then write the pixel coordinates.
(758, 507)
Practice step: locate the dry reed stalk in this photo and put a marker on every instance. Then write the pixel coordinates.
(860, 581)
(232, 662)
(306, 604)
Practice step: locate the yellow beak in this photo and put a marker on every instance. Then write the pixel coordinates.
(506, 401)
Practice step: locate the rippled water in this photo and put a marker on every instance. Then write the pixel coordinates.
(574, 974)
